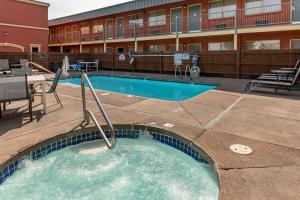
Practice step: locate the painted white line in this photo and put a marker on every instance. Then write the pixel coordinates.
(221, 115)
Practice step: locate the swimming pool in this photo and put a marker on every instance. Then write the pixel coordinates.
(141, 166)
(172, 91)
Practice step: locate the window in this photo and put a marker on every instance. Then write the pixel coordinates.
(295, 44)
(262, 6)
(136, 20)
(220, 46)
(85, 29)
(262, 44)
(221, 9)
(140, 49)
(97, 27)
(86, 50)
(173, 48)
(157, 48)
(157, 18)
(98, 50)
(109, 50)
(194, 48)
(120, 50)
(35, 48)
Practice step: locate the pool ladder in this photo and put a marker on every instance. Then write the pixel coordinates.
(88, 114)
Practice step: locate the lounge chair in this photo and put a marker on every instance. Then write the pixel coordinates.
(284, 76)
(15, 88)
(4, 66)
(52, 88)
(288, 84)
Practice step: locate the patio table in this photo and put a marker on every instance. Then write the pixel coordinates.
(87, 65)
(42, 80)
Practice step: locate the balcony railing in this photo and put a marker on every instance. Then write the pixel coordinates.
(249, 17)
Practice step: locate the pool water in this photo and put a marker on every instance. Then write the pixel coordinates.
(136, 169)
(172, 91)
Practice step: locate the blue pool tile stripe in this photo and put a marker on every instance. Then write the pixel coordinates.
(90, 136)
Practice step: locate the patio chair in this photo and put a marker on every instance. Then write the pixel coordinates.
(15, 88)
(4, 66)
(77, 67)
(288, 84)
(23, 68)
(52, 88)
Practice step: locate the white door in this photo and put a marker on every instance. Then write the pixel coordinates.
(296, 11)
(176, 13)
(194, 18)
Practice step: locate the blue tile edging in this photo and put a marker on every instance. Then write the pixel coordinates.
(42, 151)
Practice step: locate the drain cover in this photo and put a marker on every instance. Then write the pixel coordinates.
(241, 149)
(168, 125)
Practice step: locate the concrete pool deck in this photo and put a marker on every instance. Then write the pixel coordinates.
(266, 122)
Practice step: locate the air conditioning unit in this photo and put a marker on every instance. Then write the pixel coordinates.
(156, 33)
(221, 26)
(262, 22)
(136, 34)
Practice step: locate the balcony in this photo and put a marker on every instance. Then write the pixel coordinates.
(277, 14)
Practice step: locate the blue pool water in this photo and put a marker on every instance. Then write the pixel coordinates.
(136, 169)
(172, 91)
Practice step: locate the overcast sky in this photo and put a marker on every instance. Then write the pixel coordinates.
(60, 8)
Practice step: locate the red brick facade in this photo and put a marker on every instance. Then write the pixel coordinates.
(23, 26)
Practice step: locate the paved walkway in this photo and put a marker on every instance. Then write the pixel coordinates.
(215, 120)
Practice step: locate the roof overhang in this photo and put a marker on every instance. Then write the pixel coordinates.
(38, 3)
(111, 10)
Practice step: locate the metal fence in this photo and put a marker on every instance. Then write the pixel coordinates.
(241, 64)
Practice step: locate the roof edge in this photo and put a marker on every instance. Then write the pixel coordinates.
(34, 2)
(106, 11)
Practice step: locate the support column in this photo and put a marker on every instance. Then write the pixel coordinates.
(235, 31)
(61, 49)
(135, 46)
(177, 44)
(177, 34)
(105, 47)
(235, 41)
(80, 48)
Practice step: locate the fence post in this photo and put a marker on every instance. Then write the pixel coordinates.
(238, 63)
(113, 61)
(161, 63)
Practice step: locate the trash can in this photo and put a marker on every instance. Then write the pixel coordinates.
(55, 65)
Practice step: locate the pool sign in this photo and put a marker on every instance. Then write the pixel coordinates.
(178, 59)
(122, 57)
(185, 56)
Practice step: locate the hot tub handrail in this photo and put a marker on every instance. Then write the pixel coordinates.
(89, 114)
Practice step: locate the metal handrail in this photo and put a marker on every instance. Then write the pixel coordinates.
(89, 114)
(38, 66)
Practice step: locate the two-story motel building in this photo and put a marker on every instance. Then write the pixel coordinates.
(180, 25)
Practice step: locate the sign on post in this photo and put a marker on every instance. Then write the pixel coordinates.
(178, 59)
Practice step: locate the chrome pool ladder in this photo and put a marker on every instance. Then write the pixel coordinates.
(88, 114)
